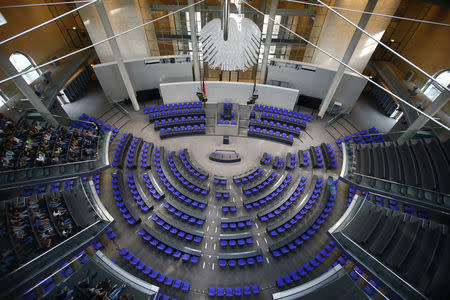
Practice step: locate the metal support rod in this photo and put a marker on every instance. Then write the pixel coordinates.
(225, 18)
(46, 22)
(371, 13)
(370, 6)
(26, 90)
(352, 69)
(98, 43)
(272, 13)
(43, 4)
(386, 47)
(117, 55)
(193, 28)
(431, 110)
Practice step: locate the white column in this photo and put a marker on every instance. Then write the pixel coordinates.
(117, 55)
(431, 110)
(347, 56)
(193, 29)
(272, 13)
(26, 90)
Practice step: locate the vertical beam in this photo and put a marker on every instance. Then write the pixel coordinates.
(116, 52)
(193, 29)
(225, 18)
(272, 13)
(26, 90)
(370, 6)
(431, 110)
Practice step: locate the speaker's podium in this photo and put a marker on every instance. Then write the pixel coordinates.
(226, 139)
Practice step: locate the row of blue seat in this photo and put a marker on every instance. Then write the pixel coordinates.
(308, 233)
(153, 273)
(151, 188)
(182, 131)
(270, 135)
(116, 155)
(272, 196)
(286, 119)
(181, 105)
(395, 205)
(317, 157)
(101, 125)
(283, 111)
(193, 187)
(197, 173)
(278, 163)
(96, 180)
(305, 269)
(222, 194)
(176, 231)
(178, 121)
(229, 209)
(305, 157)
(286, 204)
(241, 262)
(234, 225)
(227, 122)
(370, 288)
(260, 187)
(119, 200)
(292, 221)
(220, 181)
(239, 242)
(366, 136)
(161, 296)
(248, 178)
(178, 195)
(329, 155)
(136, 196)
(233, 291)
(131, 151)
(279, 126)
(266, 159)
(153, 116)
(144, 155)
(183, 215)
(109, 233)
(291, 161)
(178, 254)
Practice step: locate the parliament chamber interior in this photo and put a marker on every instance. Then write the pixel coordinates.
(210, 149)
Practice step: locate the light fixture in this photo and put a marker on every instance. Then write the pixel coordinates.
(232, 43)
(74, 28)
(392, 40)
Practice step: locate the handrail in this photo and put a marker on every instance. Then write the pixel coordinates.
(97, 204)
(30, 110)
(132, 281)
(312, 285)
(335, 118)
(338, 235)
(114, 103)
(399, 183)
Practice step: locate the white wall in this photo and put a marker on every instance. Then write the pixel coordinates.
(122, 15)
(143, 76)
(336, 33)
(316, 83)
(225, 91)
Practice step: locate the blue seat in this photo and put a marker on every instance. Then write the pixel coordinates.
(211, 291)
